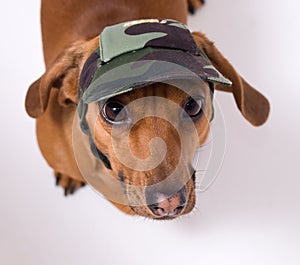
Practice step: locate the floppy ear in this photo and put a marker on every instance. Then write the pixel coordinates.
(62, 74)
(252, 104)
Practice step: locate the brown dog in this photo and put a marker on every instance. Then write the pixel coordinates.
(70, 29)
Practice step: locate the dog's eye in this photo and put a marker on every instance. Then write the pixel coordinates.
(194, 106)
(114, 111)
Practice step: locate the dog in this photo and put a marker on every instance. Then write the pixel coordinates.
(125, 163)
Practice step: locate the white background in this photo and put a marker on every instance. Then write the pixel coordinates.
(250, 215)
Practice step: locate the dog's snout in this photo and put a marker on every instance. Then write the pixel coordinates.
(168, 206)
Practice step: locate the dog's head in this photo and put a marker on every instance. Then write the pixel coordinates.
(145, 118)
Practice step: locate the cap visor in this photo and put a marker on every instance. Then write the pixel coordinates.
(146, 66)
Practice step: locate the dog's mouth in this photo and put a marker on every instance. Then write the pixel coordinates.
(160, 204)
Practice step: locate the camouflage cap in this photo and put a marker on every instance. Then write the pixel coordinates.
(137, 53)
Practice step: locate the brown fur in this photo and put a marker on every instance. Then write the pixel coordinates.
(70, 29)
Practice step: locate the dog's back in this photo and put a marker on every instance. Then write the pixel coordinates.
(64, 22)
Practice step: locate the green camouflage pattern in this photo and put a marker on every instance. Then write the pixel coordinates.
(135, 73)
(110, 48)
(134, 35)
(140, 52)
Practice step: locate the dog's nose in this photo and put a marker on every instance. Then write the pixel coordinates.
(168, 206)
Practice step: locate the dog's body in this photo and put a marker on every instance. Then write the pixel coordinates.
(70, 29)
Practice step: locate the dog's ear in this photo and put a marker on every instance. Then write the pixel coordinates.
(252, 104)
(62, 74)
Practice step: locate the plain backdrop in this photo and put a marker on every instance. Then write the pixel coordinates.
(250, 215)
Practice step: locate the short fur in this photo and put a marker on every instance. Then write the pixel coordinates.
(70, 30)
